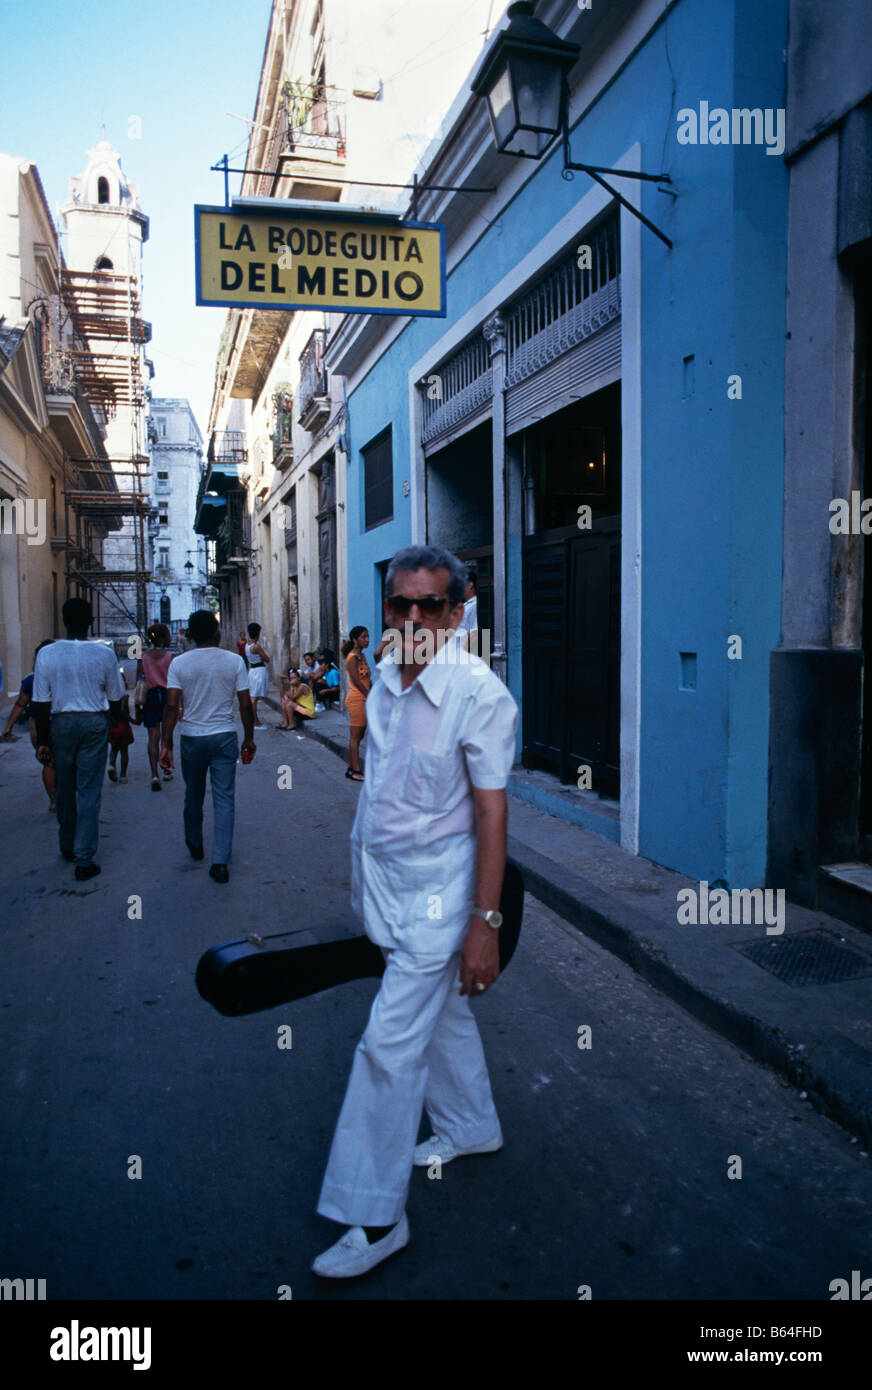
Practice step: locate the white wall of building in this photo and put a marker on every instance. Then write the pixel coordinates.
(176, 462)
(95, 233)
(407, 62)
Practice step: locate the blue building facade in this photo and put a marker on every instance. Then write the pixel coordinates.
(597, 426)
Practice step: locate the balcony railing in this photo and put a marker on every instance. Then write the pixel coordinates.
(566, 307)
(314, 395)
(316, 119)
(283, 434)
(227, 446)
(230, 538)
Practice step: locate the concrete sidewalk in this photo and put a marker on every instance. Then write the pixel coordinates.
(817, 1035)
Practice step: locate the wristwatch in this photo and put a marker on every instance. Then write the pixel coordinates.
(494, 919)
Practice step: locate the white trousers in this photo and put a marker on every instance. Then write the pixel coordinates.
(421, 1048)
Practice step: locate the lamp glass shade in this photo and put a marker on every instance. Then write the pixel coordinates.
(536, 85)
(501, 108)
(524, 105)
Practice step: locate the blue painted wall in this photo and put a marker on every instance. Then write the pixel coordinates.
(712, 469)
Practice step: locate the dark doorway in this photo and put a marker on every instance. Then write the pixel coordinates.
(572, 592)
(863, 398)
(460, 493)
(329, 610)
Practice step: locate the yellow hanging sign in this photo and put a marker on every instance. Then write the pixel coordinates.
(267, 258)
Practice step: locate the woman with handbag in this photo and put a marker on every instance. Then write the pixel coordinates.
(151, 672)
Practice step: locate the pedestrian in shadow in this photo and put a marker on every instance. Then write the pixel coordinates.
(152, 667)
(258, 661)
(120, 739)
(205, 682)
(77, 689)
(24, 706)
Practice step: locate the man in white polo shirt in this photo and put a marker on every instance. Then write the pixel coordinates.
(428, 857)
(207, 680)
(77, 687)
(469, 618)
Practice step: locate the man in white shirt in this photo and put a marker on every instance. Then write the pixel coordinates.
(428, 857)
(206, 681)
(77, 686)
(469, 618)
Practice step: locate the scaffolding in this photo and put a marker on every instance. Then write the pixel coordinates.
(104, 307)
(117, 489)
(109, 333)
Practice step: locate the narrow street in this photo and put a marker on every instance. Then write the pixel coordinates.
(614, 1170)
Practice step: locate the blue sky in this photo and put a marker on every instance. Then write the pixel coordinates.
(71, 67)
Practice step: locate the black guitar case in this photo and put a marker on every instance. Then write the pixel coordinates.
(245, 975)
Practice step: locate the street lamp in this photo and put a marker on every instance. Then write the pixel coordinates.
(523, 79)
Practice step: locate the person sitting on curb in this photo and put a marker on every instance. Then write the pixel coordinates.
(309, 669)
(297, 700)
(326, 683)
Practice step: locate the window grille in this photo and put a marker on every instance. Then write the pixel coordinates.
(568, 305)
(457, 389)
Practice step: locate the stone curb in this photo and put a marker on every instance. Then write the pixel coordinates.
(842, 1088)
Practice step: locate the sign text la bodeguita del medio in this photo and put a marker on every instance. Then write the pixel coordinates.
(271, 259)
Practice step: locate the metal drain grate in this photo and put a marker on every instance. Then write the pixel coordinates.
(808, 958)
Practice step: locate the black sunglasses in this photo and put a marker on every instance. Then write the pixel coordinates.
(429, 607)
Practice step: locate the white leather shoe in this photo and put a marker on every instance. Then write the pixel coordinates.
(437, 1147)
(353, 1254)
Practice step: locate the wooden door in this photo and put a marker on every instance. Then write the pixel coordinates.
(572, 648)
(329, 609)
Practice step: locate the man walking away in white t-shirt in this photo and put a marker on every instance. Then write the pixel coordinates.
(205, 681)
(77, 687)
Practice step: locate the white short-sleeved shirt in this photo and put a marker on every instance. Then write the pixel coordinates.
(413, 841)
(469, 621)
(208, 678)
(76, 676)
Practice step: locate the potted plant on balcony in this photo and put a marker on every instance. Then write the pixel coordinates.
(283, 416)
(299, 101)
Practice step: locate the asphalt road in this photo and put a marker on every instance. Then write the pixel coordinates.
(614, 1173)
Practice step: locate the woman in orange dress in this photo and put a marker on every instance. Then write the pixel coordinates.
(359, 682)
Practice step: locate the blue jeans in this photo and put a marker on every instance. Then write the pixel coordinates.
(217, 754)
(78, 742)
